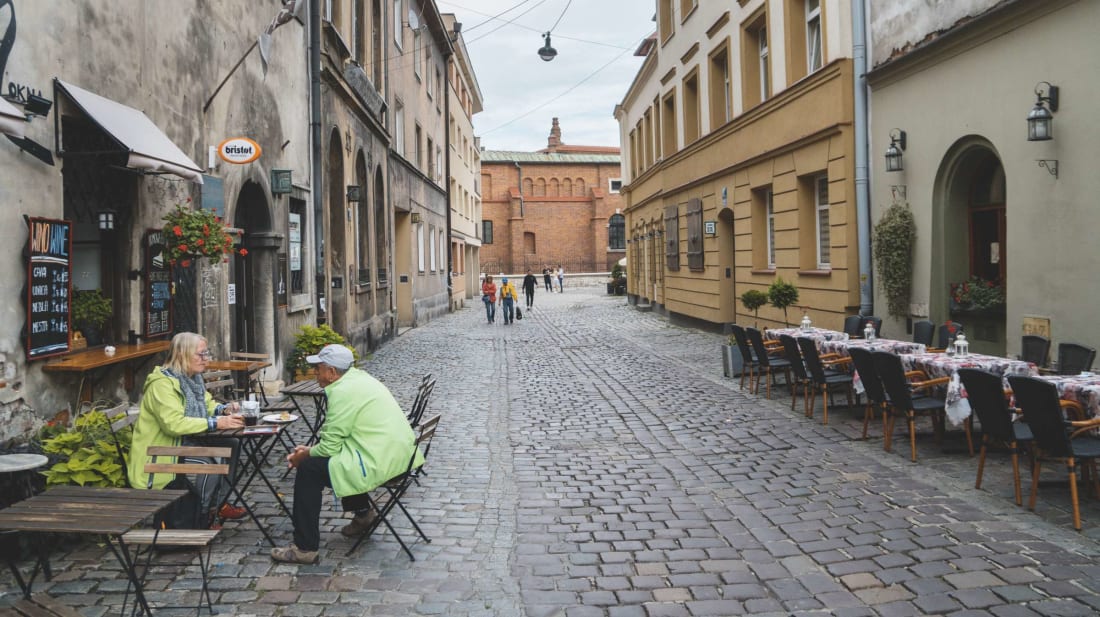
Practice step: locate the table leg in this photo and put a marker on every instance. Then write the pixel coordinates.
(122, 554)
(252, 450)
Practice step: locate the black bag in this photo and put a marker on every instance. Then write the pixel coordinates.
(187, 512)
(519, 313)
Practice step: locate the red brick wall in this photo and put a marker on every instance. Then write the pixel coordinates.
(569, 230)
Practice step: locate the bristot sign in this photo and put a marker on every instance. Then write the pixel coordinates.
(239, 150)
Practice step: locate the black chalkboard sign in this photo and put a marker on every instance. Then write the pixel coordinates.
(49, 287)
(157, 317)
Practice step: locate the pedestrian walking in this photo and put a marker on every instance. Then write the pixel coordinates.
(547, 280)
(489, 296)
(561, 279)
(529, 283)
(508, 299)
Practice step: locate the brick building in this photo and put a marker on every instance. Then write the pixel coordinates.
(559, 205)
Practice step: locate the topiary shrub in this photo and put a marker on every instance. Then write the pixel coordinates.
(892, 244)
(782, 294)
(753, 299)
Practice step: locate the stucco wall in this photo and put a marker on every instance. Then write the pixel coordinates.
(898, 25)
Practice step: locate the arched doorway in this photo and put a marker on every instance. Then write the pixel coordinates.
(970, 216)
(727, 276)
(381, 253)
(336, 252)
(253, 312)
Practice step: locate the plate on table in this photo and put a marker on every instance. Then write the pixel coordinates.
(277, 418)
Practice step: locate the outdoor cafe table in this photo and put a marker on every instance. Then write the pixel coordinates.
(106, 512)
(841, 346)
(1084, 389)
(92, 364)
(241, 369)
(817, 334)
(947, 365)
(309, 389)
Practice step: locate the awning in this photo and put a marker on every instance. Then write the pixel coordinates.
(149, 148)
(12, 121)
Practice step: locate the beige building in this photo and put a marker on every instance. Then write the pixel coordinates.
(738, 163)
(464, 170)
(960, 79)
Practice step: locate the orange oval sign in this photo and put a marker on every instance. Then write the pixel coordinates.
(239, 150)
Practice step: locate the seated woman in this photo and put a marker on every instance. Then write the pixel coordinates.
(175, 404)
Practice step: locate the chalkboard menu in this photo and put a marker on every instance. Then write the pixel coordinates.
(49, 287)
(157, 317)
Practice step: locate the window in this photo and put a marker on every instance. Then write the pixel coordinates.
(694, 221)
(380, 253)
(763, 61)
(399, 128)
(686, 7)
(821, 208)
(755, 57)
(672, 237)
(438, 163)
(431, 248)
(397, 23)
(438, 90)
(762, 224)
(357, 19)
(418, 149)
(430, 153)
(362, 233)
(668, 124)
(428, 70)
(691, 107)
(769, 214)
(418, 53)
(657, 134)
(486, 232)
(664, 20)
(721, 107)
(614, 185)
(616, 232)
(442, 252)
(327, 11)
(376, 36)
(647, 138)
(813, 35)
(295, 228)
(420, 248)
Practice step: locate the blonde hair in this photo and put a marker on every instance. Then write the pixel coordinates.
(184, 345)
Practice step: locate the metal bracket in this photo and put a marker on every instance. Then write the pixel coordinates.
(1051, 165)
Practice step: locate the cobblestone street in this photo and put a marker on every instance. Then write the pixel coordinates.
(593, 461)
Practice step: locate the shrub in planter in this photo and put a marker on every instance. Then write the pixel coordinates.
(90, 312)
(309, 341)
(753, 299)
(782, 294)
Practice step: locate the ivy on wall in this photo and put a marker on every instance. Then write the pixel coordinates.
(892, 242)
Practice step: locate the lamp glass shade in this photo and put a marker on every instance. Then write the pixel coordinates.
(893, 158)
(546, 52)
(1040, 124)
(106, 220)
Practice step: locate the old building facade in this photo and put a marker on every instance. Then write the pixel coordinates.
(558, 206)
(738, 159)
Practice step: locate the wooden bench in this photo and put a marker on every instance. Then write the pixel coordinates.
(39, 605)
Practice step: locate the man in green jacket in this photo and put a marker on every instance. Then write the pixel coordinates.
(364, 442)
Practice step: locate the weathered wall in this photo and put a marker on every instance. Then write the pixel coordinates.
(899, 25)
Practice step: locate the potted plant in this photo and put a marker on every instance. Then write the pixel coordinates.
(617, 284)
(782, 294)
(190, 234)
(977, 295)
(893, 240)
(753, 299)
(90, 312)
(309, 341)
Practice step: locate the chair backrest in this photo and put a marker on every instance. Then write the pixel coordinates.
(875, 321)
(117, 428)
(426, 434)
(423, 393)
(868, 376)
(892, 374)
(742, 344)
(1035, 349)
(946, 334)
(1074, 358)
(790, 350)
(986, 394)
(923, 332)
(249, 355)
(218, 383)
(178, 452)
(1038, 399)
(757, 341)
(853, 325)
(812, 359)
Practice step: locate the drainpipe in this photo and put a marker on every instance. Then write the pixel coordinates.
(863, 197)
(315, 134)
(447, 177)
(519, 184)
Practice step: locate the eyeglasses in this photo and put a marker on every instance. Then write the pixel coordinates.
(205, 355)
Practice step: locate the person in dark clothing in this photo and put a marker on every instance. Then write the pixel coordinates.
(546, 279)
(529, 283)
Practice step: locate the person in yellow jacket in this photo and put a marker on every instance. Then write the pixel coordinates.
(364, 442)
(508, 297)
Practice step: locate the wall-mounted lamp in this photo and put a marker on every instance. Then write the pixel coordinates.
(547, 53)
(106, 220)
(353, 193)
(1040, 120)
(893, 153)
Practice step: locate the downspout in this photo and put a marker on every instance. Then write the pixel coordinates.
(519, 185)
(447, 178)
(315, 138)
(863, 197)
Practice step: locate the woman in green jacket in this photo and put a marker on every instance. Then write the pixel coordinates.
(175, 404)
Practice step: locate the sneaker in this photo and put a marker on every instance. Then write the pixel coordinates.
(232, 512)
(358, 525)
(293, 554)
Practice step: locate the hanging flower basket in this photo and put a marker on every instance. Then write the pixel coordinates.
(190, 234)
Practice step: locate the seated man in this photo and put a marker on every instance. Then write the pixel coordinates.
(364, 442)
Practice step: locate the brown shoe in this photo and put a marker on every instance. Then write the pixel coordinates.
(293, 554)
(358, 525)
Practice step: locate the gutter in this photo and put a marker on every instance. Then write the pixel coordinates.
(315, 135)
(863, 196)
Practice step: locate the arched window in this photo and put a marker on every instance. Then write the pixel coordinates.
(578, 187)
(616, 232)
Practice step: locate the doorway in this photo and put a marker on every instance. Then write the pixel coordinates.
(337, 242)
(253, 313)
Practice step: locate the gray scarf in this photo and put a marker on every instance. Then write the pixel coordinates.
(194, 393)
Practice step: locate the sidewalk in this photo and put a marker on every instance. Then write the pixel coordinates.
(592, 461)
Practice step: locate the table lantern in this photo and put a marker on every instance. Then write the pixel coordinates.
(869, 331)
(806, 325)
(962, 346)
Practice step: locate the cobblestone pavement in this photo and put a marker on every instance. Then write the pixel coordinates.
(592, 460)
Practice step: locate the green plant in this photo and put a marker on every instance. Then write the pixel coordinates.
(782, 294)
(310, 340)
(617, 272)
(91, 308)
(977, 293)
(87, 452)
(190, 233)
(753, 299)
(892, 241)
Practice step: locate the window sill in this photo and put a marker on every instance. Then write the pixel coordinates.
(763, 271)
(818, 272)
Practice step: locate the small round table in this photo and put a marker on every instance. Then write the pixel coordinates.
(11, 463)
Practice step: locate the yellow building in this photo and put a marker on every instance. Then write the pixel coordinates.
(738, 160)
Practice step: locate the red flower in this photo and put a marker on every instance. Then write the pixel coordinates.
(244, 252)
(206, 230)
(200, 242)
(183, 248)
(186, 263)
(171, 262)
(176, 230)
(188, 200)
(951, 329)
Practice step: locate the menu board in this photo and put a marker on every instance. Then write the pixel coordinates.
(49, 287)
(157, 316)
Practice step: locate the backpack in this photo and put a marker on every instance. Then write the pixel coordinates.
(519, 313)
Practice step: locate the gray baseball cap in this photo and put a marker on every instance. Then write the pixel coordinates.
(336, 356)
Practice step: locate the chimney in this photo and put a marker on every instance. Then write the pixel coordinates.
(555, 136)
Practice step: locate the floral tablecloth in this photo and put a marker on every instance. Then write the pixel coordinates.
(818, 334)
(879, 344)
(947, 365)
(1084, 389)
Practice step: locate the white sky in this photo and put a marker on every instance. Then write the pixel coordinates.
(522, 93)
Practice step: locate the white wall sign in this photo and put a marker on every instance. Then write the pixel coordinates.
(231, 294)
(239, 150)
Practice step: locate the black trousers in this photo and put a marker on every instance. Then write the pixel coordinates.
(309, 484)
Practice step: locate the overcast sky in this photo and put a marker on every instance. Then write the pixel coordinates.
(522, 93)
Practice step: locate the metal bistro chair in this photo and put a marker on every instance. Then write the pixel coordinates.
(798, 370)
(420, 405)
(1035, 349)
(923, 332)
(254, 385)
(824, 381)
(748, 358)
(902, 401)
(766, 364)
(853, 326)
(986, 394)
(864, 364)
(947, 335)
(1054, 437)
(1074, 358)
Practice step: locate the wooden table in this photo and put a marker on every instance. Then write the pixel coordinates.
(106, 512)
(242, 371)
(92, 364)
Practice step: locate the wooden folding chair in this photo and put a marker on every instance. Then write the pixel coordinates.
(150, 539)
(391, 493)
(420, 404)
(118, 428)
(253, 385)
(220, 384)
